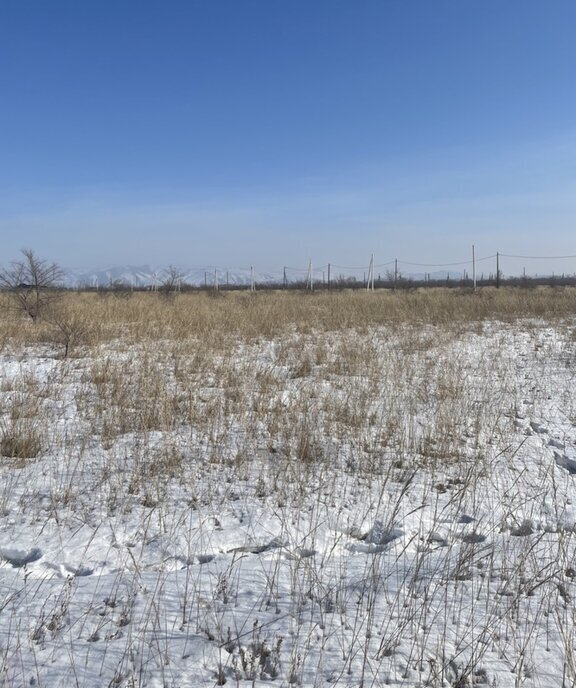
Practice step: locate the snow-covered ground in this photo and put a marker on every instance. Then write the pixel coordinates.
(395, 506)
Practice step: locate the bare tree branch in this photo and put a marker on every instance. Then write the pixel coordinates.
(32, 283)
(171, 281)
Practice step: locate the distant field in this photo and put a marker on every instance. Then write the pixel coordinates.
(143, 315)
(290, 489)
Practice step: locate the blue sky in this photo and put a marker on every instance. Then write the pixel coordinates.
(238, 132)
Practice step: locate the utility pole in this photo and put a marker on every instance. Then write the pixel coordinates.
(395, 272)
(309, 280)
(328, 276)
(497, 271)
(370, 284)
(473, 267)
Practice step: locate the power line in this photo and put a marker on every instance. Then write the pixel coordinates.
(348, 267)
(319, 271)
(316, 269)
(508, 255)
(445, 265)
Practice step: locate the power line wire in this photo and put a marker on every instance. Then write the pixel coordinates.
(508, 255)
(445, 265)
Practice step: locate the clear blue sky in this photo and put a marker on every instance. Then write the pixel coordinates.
(230, 132)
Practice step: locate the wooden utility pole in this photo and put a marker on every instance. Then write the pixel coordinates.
(370, 283)
(497, 271)
(309, 280)
(328, 276)
(473, 267)
(395, 272)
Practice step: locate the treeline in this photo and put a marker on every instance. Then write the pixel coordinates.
(120, 288)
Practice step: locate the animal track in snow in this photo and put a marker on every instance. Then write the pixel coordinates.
(376, 539)
(565, 462)
(562, 460)
(20, 557)
(259, 547)
(67, 570)
(538, 428)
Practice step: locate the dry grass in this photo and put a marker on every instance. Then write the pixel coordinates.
(85, 318)
(220, 367)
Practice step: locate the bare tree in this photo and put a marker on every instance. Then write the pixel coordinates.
(32, 283)
(119, 288)
(68, 326)
(171, 281)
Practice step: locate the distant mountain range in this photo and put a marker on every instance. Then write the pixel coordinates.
(141, 276)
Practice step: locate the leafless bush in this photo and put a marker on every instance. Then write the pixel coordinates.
(32, 284)
(171, 282)
(68, 326)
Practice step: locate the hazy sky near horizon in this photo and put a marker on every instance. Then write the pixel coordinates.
(237, 132)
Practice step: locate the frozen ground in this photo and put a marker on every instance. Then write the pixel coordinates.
(391, 507)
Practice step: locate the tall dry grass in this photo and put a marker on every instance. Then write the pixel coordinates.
(88, 318)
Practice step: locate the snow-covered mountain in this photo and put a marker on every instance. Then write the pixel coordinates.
(139, 276)
(147, 276)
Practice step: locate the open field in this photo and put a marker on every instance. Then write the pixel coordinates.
(286, 489)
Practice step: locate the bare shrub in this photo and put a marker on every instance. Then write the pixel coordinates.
(31, 283)
(68, 326)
